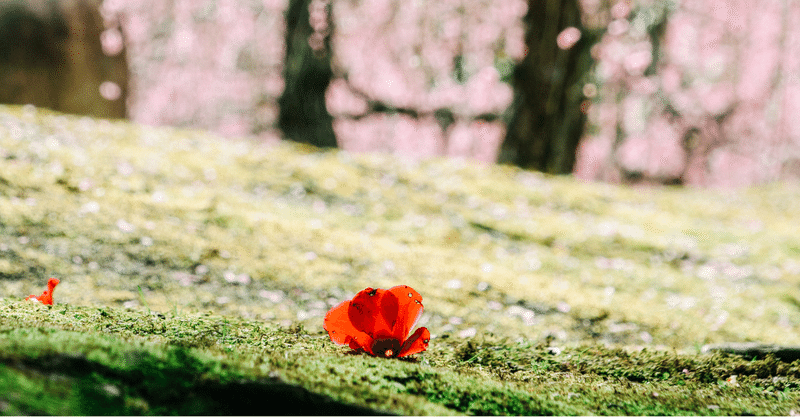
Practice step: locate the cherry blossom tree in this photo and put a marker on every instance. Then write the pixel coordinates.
(696, 92)
(425, 77)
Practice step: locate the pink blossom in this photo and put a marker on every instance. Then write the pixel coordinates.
(568, 37)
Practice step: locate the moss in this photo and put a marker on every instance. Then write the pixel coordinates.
(181, 251)
(137, 362)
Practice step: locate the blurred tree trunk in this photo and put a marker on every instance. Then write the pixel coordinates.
(307, 72)
(51, 56)
(548, 116)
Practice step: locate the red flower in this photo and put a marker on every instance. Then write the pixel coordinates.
(378, 321)
(47, 295)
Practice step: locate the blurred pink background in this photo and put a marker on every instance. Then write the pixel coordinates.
(701, 92)
(720, 108)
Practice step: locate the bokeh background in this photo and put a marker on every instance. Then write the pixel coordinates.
(700, 92)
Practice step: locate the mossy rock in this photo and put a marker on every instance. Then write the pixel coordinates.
(195, 272)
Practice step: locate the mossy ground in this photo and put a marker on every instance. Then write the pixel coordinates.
(196, 270)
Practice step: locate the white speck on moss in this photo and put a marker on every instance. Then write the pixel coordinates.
(706, 272)
(527, 315)
(467, 333)
(125, 226)
(90, 207)
(124, 168)
(85, 184)
(453, 284)
(274, 297)
(388, 265)
(183, 278)
(111, 390)
(319, 206)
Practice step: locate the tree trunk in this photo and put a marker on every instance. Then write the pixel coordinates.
(548, 116)
(303, 115)
(51, 56)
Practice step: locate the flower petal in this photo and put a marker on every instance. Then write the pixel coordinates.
(378, 321)
(374, 312)
(342, 331)
(416, 343)
(408, 312)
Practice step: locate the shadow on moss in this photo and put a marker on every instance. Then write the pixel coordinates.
(177, 385)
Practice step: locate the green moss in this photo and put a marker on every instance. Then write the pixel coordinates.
(240, 248)
(139, 363)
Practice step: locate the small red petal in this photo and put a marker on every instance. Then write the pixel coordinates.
(416, 343)
(47, 295)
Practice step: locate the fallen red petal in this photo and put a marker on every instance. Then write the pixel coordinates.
(416, 343)
(47, 295)
(378, 321)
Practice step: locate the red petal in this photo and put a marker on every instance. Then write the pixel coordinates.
(374, 312)
(409, 310)
(342, 331)
(51, 284)
(416, 343)
(46, 298)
